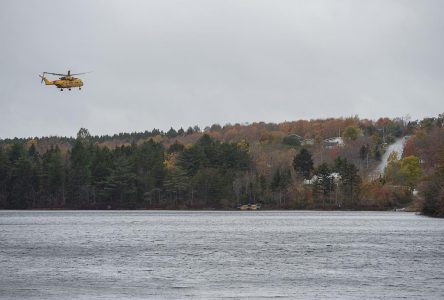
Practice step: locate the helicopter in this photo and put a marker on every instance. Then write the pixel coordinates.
(66, 81)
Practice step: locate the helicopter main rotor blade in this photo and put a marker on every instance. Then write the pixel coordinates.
(69, 73)
(81, 73)
(57, 74)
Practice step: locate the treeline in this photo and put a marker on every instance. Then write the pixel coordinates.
(208, 174)
(289, 165)
(383, 130)
(128, 177)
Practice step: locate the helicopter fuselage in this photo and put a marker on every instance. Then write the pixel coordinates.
(68, 83)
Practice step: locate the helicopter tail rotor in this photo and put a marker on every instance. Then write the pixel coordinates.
(47, 82)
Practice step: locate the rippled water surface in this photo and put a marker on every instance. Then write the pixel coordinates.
(218, 255)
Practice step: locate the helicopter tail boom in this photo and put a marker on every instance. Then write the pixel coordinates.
(47, 82)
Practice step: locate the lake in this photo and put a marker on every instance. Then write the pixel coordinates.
(220, 255)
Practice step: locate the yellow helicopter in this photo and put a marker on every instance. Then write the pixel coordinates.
(67, 81)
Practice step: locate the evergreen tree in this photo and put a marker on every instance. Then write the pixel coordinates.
(303, 163)
(121, 184)
(101, 166)
(191, 160)
(52, 179)
(176, 185)
(21, 188)
(4, 177)
(171, 133)
(148, 162)
(80, 192)
(190, 130)
(324, 184)
(350, 181)
(176, 147)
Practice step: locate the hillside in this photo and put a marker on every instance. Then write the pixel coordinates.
(224, 166)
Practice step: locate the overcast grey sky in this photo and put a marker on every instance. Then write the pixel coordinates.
(180, 63)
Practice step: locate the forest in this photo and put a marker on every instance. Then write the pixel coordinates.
(306, 164)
